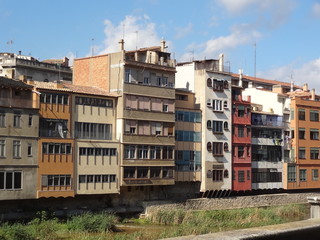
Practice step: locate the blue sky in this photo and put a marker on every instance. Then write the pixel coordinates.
(286, 32)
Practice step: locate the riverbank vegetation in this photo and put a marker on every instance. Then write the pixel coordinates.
(161, 224)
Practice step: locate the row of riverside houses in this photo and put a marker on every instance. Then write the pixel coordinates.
(136, 125)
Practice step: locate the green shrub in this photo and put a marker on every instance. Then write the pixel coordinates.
(15, 232)
(88, 222)
(44, 227)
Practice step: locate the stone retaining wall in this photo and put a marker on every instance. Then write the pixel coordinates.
(231, 202)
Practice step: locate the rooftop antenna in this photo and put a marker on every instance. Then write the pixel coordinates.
(92, 47)
(255, 60)
(123, 28)
(137, 39)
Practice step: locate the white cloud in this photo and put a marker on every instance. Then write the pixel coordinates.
(137, 31)
(270, 13)
(236, 6)
(240, 35)
(307, 73)
(316, 10)
(183, 31)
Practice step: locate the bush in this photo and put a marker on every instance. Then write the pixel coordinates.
(44, 226)
(88, 222)
(15, 232)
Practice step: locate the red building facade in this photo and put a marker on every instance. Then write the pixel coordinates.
(241, 141)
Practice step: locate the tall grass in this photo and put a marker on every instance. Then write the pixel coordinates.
(89, 222)
(202, 222)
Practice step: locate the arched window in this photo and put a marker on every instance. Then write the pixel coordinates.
(225, 147)
(209, 82)
(226, 173)
(209, 124)
(225, 125)
(225, 104)
(225, 84)
(209, 146)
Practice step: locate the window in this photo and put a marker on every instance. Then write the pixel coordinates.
(240, 111)
(225, 147)
(291, 173)
(302, 114)
(156, 128)
(209, 125)
(209, 103)
(314, 153)
(217, 148)
(165, 108)
(314, 115)
(54, 98)
(56, 180)
(292, 114)
(2, 119)
(142, 152)
(142, 172)
(164, 81)
(314, 134)
(56, 128)
(226, 173)
(17, 120)
(129, 172)
(129, 151)
(302, 133)
(209, 146)
(155, 172)
(302, 153)
(225, 104)
(225, 126)
(315, 174)
(217, 175)
(158, 83)
(2, 148)
(240, 151)
(217, 105)
(56, 148)
(209, 82)
(96, 102)
(146, 80)
(217, 126)
(16, 149)
(303, 175)
(181, 97)
(10, 180)
(241, 176)
(127, 77)
(217, 85)
(240, 131)
(93, 131)
(29, 150)
(248, 175)
(30, 119)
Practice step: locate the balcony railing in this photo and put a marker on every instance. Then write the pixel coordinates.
(266, 123)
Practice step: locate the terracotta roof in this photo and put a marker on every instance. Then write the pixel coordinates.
(8, 82)
(262, 80)
(66, 87)
(90, 90)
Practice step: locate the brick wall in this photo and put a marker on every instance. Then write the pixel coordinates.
(92, 71)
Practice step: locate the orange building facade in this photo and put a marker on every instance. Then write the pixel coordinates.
(55, 145)
(304, 166)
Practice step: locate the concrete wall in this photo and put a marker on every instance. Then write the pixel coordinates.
(231, 202)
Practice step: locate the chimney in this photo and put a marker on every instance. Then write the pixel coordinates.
(121, 44)
(305, 87)
(163, 45)
(240, 77)
(221, 62)
(313, 94)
